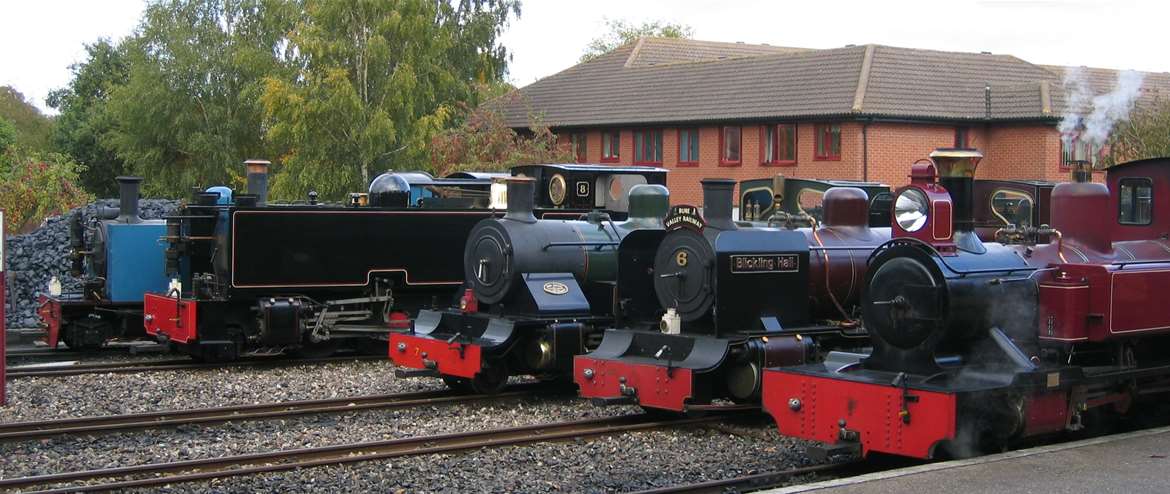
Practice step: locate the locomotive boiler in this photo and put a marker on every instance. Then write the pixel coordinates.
(976, 346)
(118, 258)
(537, 293)
(730, 300)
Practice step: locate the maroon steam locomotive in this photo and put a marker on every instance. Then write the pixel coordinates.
(977, 346)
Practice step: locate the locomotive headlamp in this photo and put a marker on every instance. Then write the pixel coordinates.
(911, 210)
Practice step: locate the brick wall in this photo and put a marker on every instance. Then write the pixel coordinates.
(1011, 152)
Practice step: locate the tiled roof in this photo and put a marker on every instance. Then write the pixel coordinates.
(658, 81)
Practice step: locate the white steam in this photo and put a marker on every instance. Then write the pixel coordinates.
(1092, 117)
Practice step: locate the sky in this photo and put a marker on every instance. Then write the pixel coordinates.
(40, 39)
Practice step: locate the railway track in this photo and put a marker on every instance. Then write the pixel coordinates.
(22, 431)
(158, 474)
(161, 365)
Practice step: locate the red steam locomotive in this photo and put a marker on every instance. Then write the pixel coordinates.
(976, 346)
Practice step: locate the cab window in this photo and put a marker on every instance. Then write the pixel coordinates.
(811, 202)
(755, 204)
(1012, 207)
(1136, 201)
(613, 191)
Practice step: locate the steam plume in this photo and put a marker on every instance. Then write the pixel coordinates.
(1093, 117)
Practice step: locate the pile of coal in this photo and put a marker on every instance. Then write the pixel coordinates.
(32, 259)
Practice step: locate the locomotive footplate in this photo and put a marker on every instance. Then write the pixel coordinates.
(651, 369)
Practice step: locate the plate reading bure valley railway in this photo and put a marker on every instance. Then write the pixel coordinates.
(765, 263)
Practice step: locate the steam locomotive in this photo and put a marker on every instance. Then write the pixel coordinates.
(118, 259)
(258, 278)
(729, 300)
(977, 346)
(537, 293)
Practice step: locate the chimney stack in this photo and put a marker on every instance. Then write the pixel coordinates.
(520, 199)
(128, 199)
(956, 173)
(717, 201)
(258, 179)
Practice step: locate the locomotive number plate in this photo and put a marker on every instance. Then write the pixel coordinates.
(556, 288)
(582, 189)
(765, 263)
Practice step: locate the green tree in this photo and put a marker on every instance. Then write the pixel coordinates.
(83, 120)
(484, 142)
(621, 33)
(376, 80)
(1145, 134)
(189, 112)
(32, 126)
(7, 135)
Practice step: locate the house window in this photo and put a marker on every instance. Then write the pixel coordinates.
(611, 145)
(962, 137)
(578, 142)
(648, 146)
(779, 144)
(1076, 149)
(828, 145)
(1136, 201)
(688, 146)
(729, 143)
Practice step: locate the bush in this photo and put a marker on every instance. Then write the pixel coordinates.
(35, 186)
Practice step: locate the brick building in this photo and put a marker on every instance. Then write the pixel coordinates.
(709, 109)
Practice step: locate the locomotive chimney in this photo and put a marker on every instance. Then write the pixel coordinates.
(520, 199)
(1082, 171)
(128, 199)
(717, 200)
(258, 179)
(956, 173)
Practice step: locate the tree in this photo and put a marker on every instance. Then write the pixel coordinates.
(84, 122)
(32, 126)
(622, 33)
(7, 135)
(485, 143)
(1145, 134)
(189, 113)
(36, 185)
(376, 80)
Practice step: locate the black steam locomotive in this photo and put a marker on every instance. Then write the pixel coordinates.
(259, 278)
(728, 300)
(537, 293)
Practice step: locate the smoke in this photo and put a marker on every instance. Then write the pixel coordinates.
(1092, 117)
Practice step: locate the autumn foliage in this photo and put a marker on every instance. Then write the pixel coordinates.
(35, 186)
(483, 142)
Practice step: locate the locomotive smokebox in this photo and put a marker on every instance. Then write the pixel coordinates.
(520, 199)
(128, 199)
(258, 179)
(717, 202)
(956, 173)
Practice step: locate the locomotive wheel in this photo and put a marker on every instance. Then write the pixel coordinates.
(491, 379)
(315, 350)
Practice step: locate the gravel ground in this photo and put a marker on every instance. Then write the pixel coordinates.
(610, 464)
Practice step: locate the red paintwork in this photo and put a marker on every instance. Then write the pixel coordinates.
(3, 316)
(1117, 302)
(1064, 309)
(873, 410)
(451, 359)
(173, 317)
(1046, 413)
(656, 386)
(398, 320)
(49, 309)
